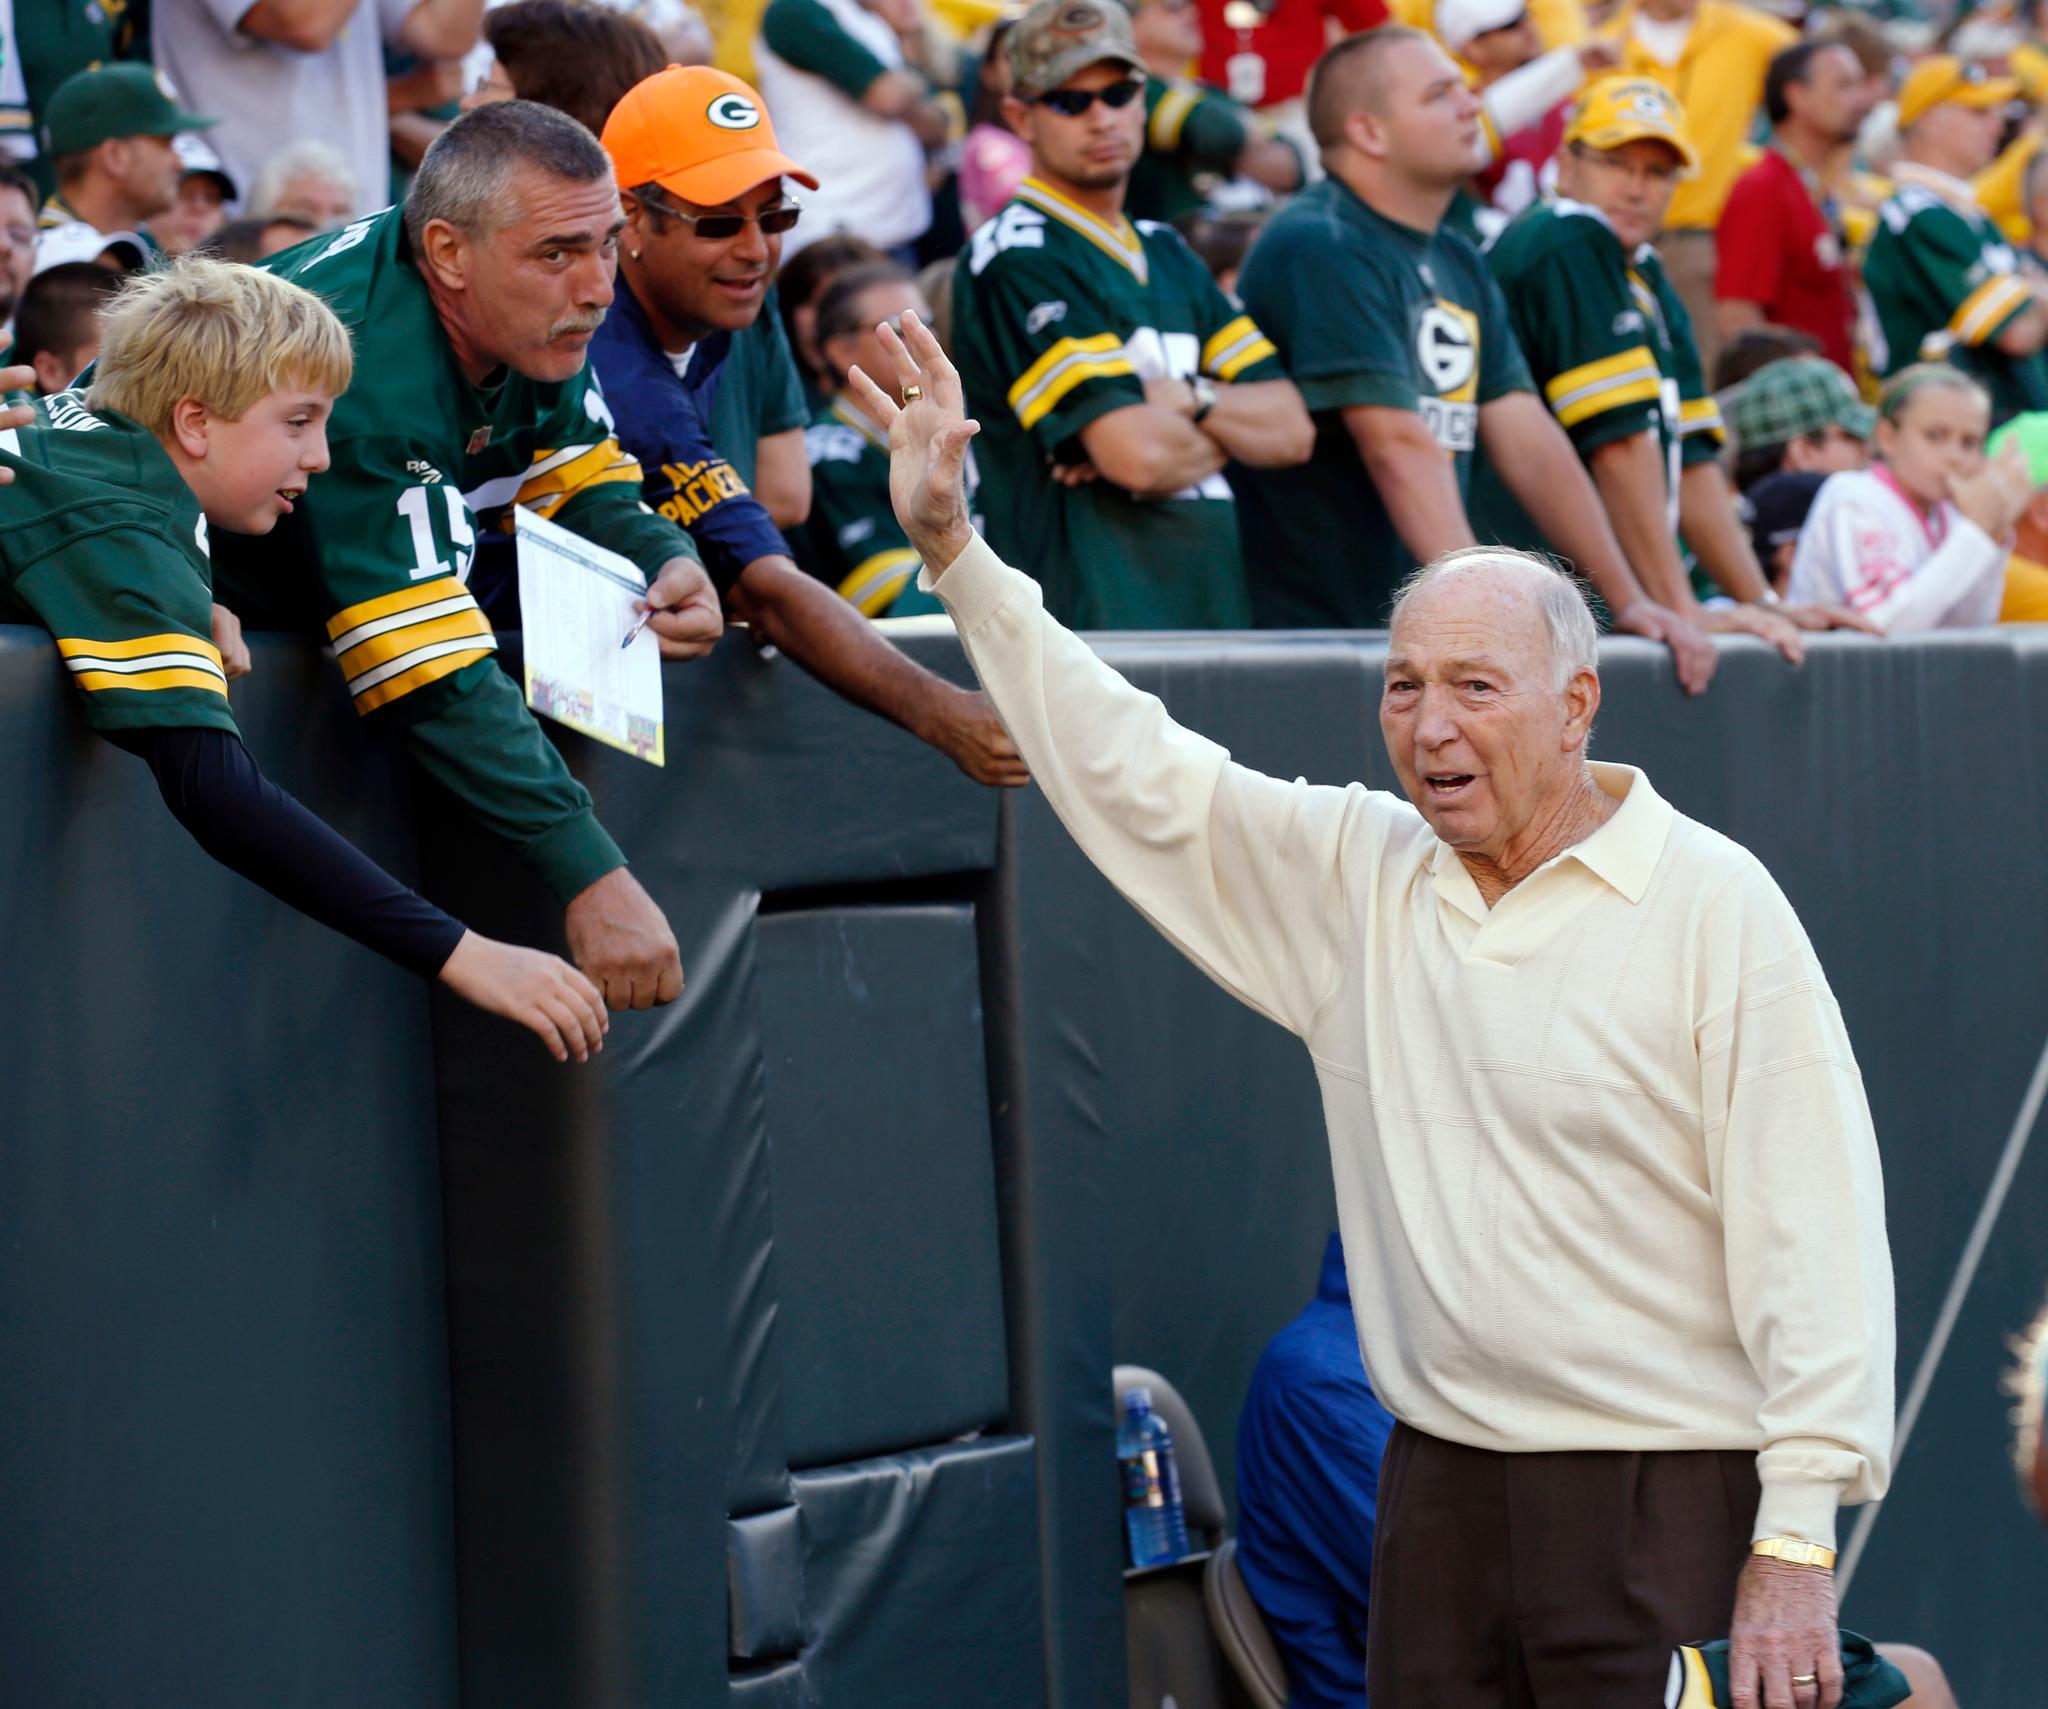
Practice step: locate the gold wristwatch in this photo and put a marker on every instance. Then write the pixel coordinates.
(1793, 1551)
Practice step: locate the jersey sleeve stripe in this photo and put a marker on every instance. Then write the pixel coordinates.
(1241, 356)
(874, 583)
(375, 650)
(140, 646)
(1987, 308)
(1700, 415)
(140, 664)
(1064, 379)
(555, 479)
(1594, 388)
(1164, 127)
(1101, 344)
(416, 670)
(1228, 342)
(389, 604)
(399, 620)
(145, 681)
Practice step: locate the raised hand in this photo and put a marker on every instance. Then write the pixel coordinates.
(928, 435)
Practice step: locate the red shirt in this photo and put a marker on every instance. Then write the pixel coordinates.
(1290, 41)
(1779, 251)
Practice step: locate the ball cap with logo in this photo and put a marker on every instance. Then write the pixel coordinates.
(1621, 110)
(1057, 38)
(1943, 79)
(700, 134)
(109, 101)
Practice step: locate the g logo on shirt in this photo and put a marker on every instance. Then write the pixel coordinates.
(1447, 346)
(732, 112)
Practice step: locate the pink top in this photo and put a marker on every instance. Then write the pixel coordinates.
(993, 162)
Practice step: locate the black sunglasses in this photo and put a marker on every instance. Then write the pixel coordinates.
(718, 228)
(1072, 103)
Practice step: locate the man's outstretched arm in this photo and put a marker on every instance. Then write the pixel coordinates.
(1244, 873)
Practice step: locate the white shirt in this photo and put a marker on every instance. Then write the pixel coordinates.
(1867, 546)
(1605, 1172)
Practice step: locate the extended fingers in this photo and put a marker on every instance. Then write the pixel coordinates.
(932, 358)
(907, 373)
(878, 403)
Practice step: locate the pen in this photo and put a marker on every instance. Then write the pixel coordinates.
(639, 623)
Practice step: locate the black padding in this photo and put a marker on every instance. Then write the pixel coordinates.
(764, 1571)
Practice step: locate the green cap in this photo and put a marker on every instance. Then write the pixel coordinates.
(114, 101)
(1057, 38)
(2030, 433)
(1797, 395)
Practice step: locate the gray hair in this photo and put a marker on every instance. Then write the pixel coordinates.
(308, 155)
(1574, 636)
(462, 179)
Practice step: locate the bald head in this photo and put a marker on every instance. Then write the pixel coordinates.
(1527, 601)
(1357, 75)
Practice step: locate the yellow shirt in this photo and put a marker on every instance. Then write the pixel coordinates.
(1558, 22)
(2026, 592)
(1603, 1164)
(1719, 81)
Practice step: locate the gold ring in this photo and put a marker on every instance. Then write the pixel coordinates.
(1806, 1679)
(912, 393)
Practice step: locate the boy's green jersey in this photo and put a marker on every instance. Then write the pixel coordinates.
(377, 554)
(1194, 136)
(1945, 284)
(1060, 317)
(1608, 343)
(103, 544)
(853, 540)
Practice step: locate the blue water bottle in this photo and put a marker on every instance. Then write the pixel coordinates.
(1153, 1518)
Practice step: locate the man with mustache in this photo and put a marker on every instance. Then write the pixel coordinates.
(472, 308)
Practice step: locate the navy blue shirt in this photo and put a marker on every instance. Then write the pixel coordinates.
(1308, 1471)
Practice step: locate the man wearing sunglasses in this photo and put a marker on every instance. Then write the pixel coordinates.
(706, 212)
(1113, 379)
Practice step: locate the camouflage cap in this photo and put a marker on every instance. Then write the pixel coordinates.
(1057, 38)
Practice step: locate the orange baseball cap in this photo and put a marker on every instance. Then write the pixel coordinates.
(699, 133)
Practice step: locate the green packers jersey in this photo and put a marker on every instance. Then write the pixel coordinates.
(1366, 313)
(1609, 344)
(55, 39)
(1945, 283)
(1193, 137)
(1060, 317)
(853, 540)
(378, 552)
(103, 544)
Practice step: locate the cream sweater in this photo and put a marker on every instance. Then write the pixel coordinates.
(1604, 1168)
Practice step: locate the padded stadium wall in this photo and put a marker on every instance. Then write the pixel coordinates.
(354, 1354)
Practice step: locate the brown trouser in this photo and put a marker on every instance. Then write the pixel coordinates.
(1688, 258)
(1548, 1581)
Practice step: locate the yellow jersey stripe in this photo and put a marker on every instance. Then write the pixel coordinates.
(874, 583)
(1626, 364)
(604, 462)
(1120, 242)
(1232, 332)
(1101, 344)
(1256, 350)
(1699, 415)
(1164, 127)
(1986, 307)
(1064, 379)
(381, 649)
(389, 604)
(71, 647)
(148, 680)
(1611, 396)
(418, 676)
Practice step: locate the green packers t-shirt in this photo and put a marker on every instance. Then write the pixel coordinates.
(1945, 283)
(1365, 313)
(1193, 136)
(760, 391)
(853, 541)
(1060, 317)
(103, 544)
(1608, 343)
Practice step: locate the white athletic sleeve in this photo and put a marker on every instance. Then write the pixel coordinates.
(1522, 97)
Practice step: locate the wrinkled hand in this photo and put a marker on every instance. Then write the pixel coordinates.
(927, 442)
(1766, 624)
(968, 732)
(620, 939)
(228, 642)
(1784, 1625)
(1827, 617)
(1997, 494)
(541, 992)
(1599, 53)
(1073, 474)
(1692, 654)
(687, 619)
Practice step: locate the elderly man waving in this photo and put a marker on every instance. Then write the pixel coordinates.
(1605, 1172)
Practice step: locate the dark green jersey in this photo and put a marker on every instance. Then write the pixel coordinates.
(1193, 137)
(1058, 318)
(760, 391)
(1374, 314)
(378, 553)
(1609, 345)
(1945, 283)
(853, 540)
(103, 544)
(54, 39)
